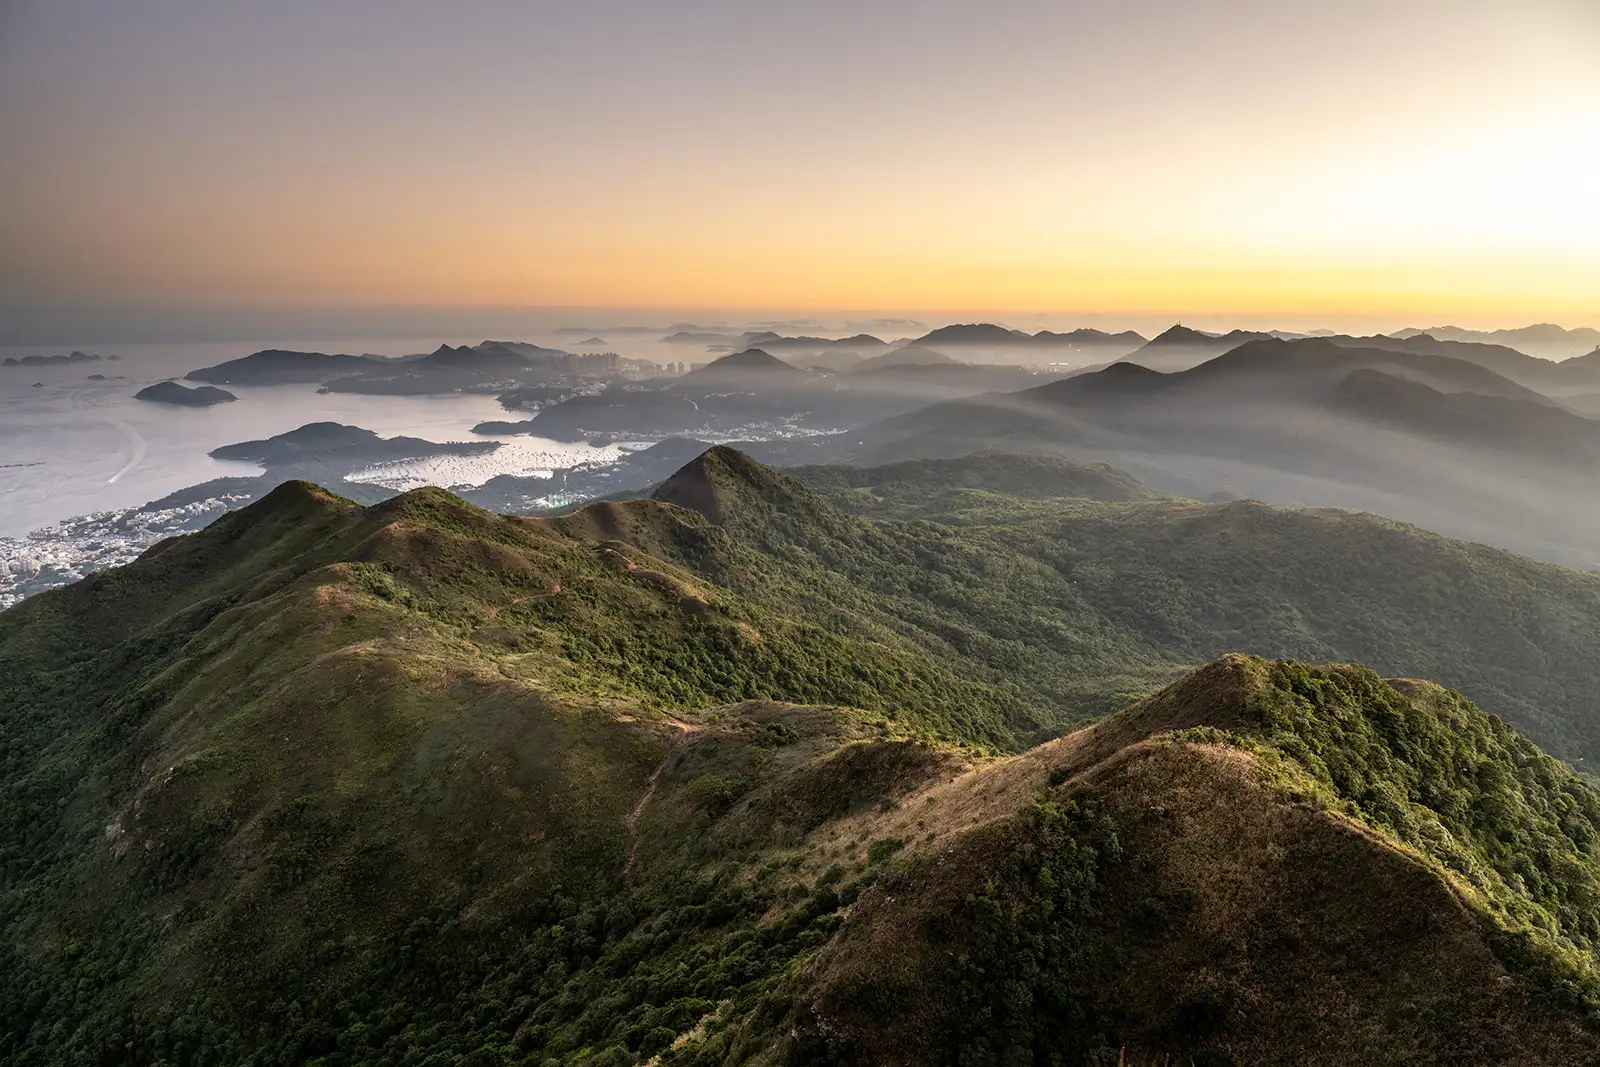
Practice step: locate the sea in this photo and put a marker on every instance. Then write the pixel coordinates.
(70, 445)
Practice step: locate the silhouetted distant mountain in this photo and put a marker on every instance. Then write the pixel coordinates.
(1273, 370)
(1581, 370)
(988, 335)
(1180, 334)
(173, 393)
(861, 342)
(755, 338)
(1556, 377)
(1276, 420)
(276, 366)
(750, 366)
(753, 393)
(1089, 338)
(1180, 347)
(488, 355)
(1543, 339)
(46, 361)
(490, 366)
(975, 333)
(526, 349)
(1470, 419)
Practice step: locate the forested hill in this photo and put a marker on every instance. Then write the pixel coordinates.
(714, 778)
(1082, 604)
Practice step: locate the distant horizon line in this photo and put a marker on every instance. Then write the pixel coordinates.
(240, 323)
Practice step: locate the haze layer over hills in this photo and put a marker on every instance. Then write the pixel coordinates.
(1456, 437)
(1474, 439)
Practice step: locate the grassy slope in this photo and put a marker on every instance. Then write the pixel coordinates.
(416, 782)
(272, 748)
(1265, 863)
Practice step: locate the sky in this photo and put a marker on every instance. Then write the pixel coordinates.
(1274, 160)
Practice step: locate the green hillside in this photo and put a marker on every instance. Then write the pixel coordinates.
(1264, 863)
(923, 484)
(283, 741)
(1081, 605)
(734, 775)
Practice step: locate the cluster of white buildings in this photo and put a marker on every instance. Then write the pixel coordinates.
(70, 550)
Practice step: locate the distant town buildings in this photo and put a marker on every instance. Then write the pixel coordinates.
(594, 364)
(70, 550)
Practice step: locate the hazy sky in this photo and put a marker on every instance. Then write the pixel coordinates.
(1432, 158)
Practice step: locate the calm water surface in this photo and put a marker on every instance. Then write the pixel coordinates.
(72, 446)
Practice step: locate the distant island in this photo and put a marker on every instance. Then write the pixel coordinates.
(47, 361)
(488, 367)
(494, 426)
(989, 335)
(173, 393)
(276, 366)
(861, 342)
(750, 367)
(320, 442)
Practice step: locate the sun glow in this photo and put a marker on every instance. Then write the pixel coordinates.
(1531, 187)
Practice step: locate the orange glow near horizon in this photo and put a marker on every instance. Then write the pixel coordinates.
(1287, 160)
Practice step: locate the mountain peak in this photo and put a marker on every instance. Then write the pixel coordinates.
(723, 485)
(1123, 368)
(713, 482)
(752, 363)
(1182, 335)
(1121, 378)
(1217, 694)
(752, 359)
(296, 494)
(974, 333)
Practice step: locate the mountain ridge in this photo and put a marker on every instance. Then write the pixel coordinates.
(608, 787)
(279, 366)
(1261, 420)
(991, 335)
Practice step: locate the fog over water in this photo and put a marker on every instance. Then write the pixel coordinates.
(73, 446)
